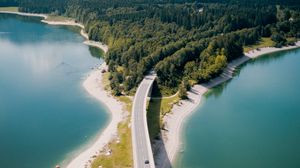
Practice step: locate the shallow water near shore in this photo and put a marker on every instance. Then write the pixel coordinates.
(45, 113)
(251, 121)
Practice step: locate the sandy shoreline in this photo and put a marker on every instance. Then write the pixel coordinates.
(96, 89)
(97, 44)
(82, 33)
(93, 85)
(174, 121)
(70, 22)
(25, 14)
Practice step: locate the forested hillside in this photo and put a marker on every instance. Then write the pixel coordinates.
(180, 39)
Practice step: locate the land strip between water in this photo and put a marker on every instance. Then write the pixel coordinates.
(173, 121)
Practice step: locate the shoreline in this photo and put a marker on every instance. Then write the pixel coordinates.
(174, 120)
(25, 14)
(93, 86)
(88, 42)
(172, 139)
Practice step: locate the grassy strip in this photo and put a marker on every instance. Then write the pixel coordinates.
(264, 42)
(57, 18)
(121, 155)
(9, 9)
(291, 40)
(157, 109)
(122, 152)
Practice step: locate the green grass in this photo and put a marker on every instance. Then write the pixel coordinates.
(120, 69)
(9, 9)
(56, 18)
(157, 108)
(154, 118)
(291, 40)
(121, 156)
(264, 42)
(127, 101)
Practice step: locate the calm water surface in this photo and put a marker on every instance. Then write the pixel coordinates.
(251, 122)
(45, 114)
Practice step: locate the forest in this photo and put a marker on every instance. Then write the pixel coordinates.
(182, 40)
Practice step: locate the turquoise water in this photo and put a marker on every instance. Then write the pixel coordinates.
(45, 114)
(253, 121)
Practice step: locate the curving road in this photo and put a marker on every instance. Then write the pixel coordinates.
(142, 152)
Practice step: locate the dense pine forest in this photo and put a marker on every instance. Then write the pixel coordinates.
(182, 40)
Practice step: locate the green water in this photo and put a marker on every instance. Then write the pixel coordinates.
(45, 114)
(253, 121)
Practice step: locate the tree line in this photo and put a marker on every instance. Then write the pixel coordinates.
(181, 40)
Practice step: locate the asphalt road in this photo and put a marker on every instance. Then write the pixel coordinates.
(142, 152)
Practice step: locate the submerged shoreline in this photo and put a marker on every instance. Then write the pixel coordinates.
(171, 142)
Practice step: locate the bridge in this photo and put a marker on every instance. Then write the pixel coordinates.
(142, 152)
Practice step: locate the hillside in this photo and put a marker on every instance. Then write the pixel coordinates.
(182, 40)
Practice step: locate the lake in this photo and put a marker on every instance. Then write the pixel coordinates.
(46, 116)
(252, 121)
